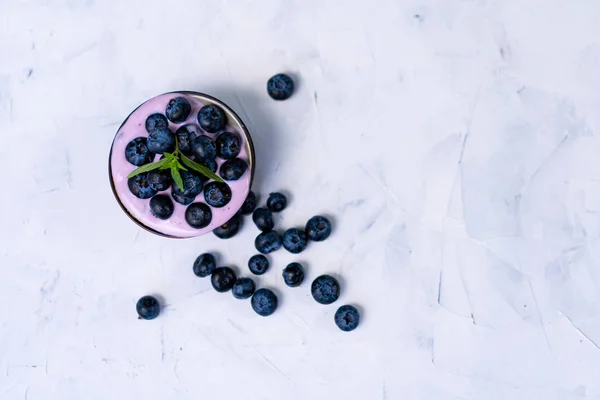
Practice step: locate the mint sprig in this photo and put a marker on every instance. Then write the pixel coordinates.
(200, 168)
(176, 162)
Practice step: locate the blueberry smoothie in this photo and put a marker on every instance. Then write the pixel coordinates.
(181, 164)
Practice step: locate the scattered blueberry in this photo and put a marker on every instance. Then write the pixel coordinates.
(258, 264)
(347, 318)
(178, 110)
(204, 265)
(230, 228)
(192, 187)
(156, 121)
(325, 289)
(204, 148)
(198, 215)
(222, 279)
(140, 187)
(249, 204)
(161, 206)
(293, 274)
(161, 140)
(318, 228)
(159, 179)
(211, 118)
(217, 194)
(228, 145)
(264, 302)
(185, 137)
(232, 170)
(280, 87)
(137, 153)
(243, 288)
(276, 202)
(263, 219)
(294, 240)
(267, 242)
(147, 307)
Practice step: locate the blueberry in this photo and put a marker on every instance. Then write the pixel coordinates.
(159, 179)
(263, 219)
(243, 288)
(258, 264)
(276, 202)
(347, 318)
(192, 184)
(249, 204)
(204, 148)
(198, 215)
(267, 242)
(211, 118)
(210, 164)
(204, 265)
(192, 187)
(161, 206)
(185, 137)
(293, 274)
(264, 302)
(217, 194)
(137, 153)
(161, 140)
(222, 279)
(147, 307)
(228, 145)
(230, 228)
(294, 240)
(178, 110)
(280, 87)
(318, 228)
(156, 121)
(232, 170)
(179, 197)
(140, 187)
(325, 289)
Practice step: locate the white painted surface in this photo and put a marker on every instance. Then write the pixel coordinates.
(454, 142)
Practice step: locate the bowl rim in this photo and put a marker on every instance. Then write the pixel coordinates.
(205, 98)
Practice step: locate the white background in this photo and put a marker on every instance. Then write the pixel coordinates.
(454, 143)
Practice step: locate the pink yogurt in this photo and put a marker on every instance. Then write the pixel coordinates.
(138, 209)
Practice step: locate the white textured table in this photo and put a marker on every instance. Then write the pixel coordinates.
(455, 143)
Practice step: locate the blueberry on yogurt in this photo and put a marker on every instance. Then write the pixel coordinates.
(198, 215)
(161, 140)
(156, 121)
(185, 138)
(217, 194)
(161, 206)
(140, 187)
(228, 145)
(178, 110)
(211, 118)
(137, 153)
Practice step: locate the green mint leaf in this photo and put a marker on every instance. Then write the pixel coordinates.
(179, 166)
(200, 168)
(170, 156)
(169, 163)
(148, 167)
(177, 176)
